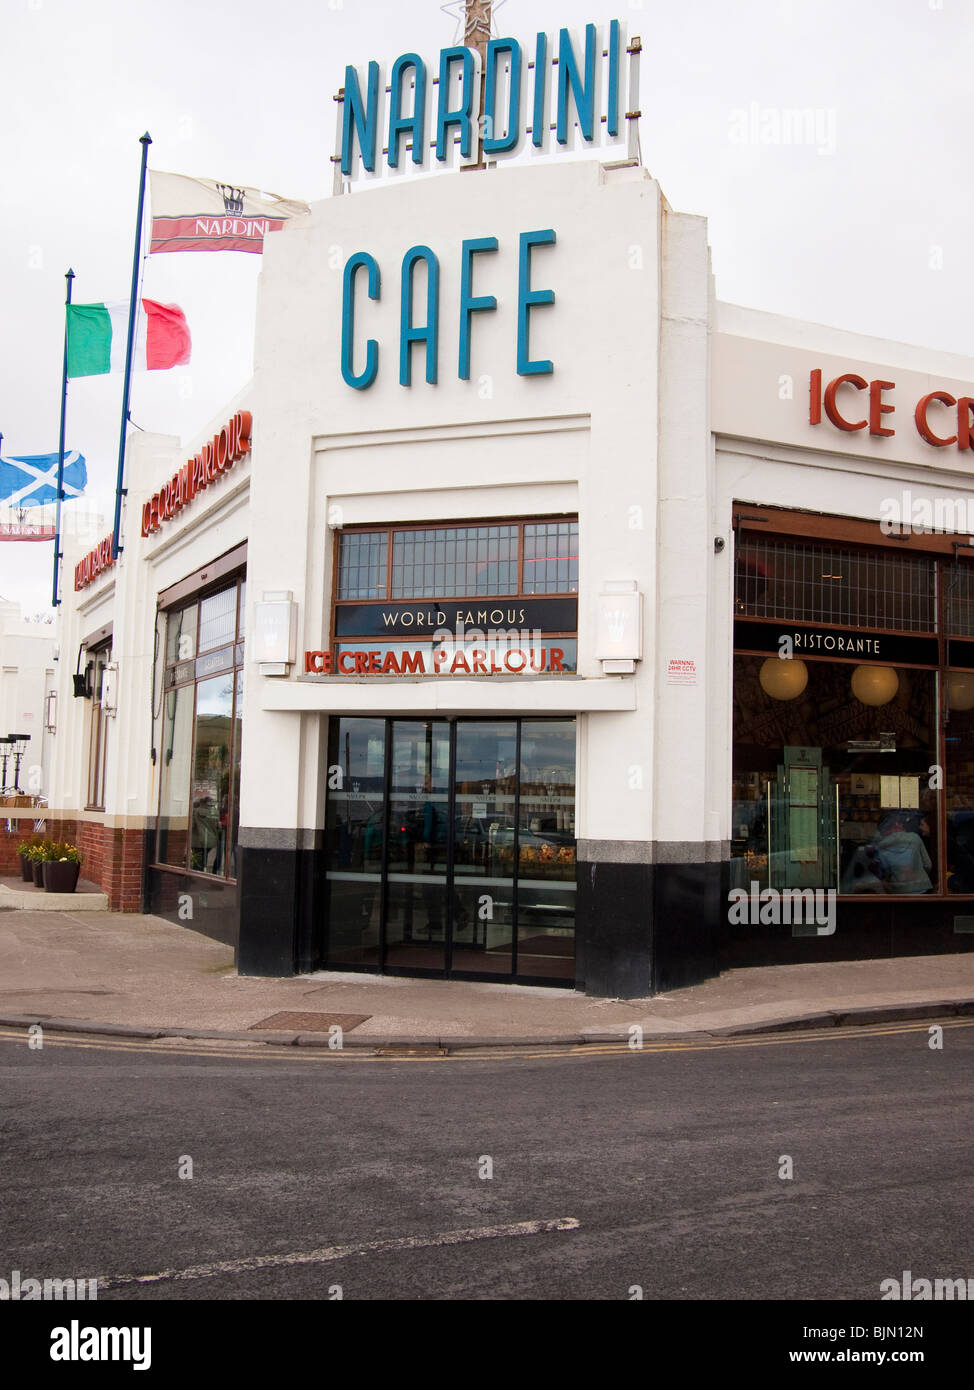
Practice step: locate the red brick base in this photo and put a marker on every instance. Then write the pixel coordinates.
(111, 858)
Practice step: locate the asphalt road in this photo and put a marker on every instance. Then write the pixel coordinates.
(660, 1170)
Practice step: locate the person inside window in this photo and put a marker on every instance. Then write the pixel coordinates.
(902, 853)
(864, 872)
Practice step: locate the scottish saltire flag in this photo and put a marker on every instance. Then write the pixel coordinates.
(31, 481)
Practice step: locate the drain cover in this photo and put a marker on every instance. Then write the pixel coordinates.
(423, 1050)
(312, 1023)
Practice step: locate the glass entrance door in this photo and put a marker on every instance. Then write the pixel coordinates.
(483, 871)
(450, 848)
(418, 845)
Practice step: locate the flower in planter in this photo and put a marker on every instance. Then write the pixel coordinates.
(62, 851)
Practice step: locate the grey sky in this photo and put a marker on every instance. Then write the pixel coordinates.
(866, 227)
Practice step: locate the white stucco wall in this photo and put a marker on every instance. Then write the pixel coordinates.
(124, 597)
(585, 438)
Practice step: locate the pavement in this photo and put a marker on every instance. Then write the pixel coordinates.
(106, 972)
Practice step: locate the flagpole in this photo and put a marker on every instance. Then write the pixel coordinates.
(60, 456)
(145, 141)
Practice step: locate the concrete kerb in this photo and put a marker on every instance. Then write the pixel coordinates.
(820, 1019)
(851, 1018)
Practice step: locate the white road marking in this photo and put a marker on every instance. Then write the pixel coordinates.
(328, 1253)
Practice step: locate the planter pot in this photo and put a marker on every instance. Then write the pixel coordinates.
(38, 873)
(26, 869)
(61, 876)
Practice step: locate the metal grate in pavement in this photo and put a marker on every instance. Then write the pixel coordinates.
(311, 1022)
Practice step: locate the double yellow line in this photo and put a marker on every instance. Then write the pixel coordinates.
(268, 1052)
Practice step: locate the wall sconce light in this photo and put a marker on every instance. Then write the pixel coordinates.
(275, 633)
(619, 633)
(82, 679)
(109, 689)
(50, 712)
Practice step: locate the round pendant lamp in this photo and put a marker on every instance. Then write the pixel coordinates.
(783, 680)
(960, 690)
(875, 685)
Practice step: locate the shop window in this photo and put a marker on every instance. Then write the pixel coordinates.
(462, 561)
(174, 797)
(832, 777)
(442, 562)
(181, 635)
(98, 731)
(489, 599)
(819, 583)
(211, 777)
(959, 780)
(218, 617)
(362, 564)
(551, 557)
(959, 599)
(201, 734)
(854, 758)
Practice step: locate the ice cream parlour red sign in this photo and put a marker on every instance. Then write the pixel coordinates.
(86, 571)
(221, 453)
(541, 659)
(941, 418)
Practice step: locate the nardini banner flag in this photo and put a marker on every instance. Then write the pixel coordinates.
(97, 334)
(206, 215)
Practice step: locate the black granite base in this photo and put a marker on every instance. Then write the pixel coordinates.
(204, 905)
(645, 928)
(688, 903)
(613, 933)
(865, 929)
(278, 893)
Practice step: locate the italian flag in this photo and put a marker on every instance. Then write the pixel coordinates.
(97, 335)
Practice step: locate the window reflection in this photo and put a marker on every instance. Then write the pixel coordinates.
(200, 732)
(211, 775)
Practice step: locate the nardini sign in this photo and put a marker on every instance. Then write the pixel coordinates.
(579, 87)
